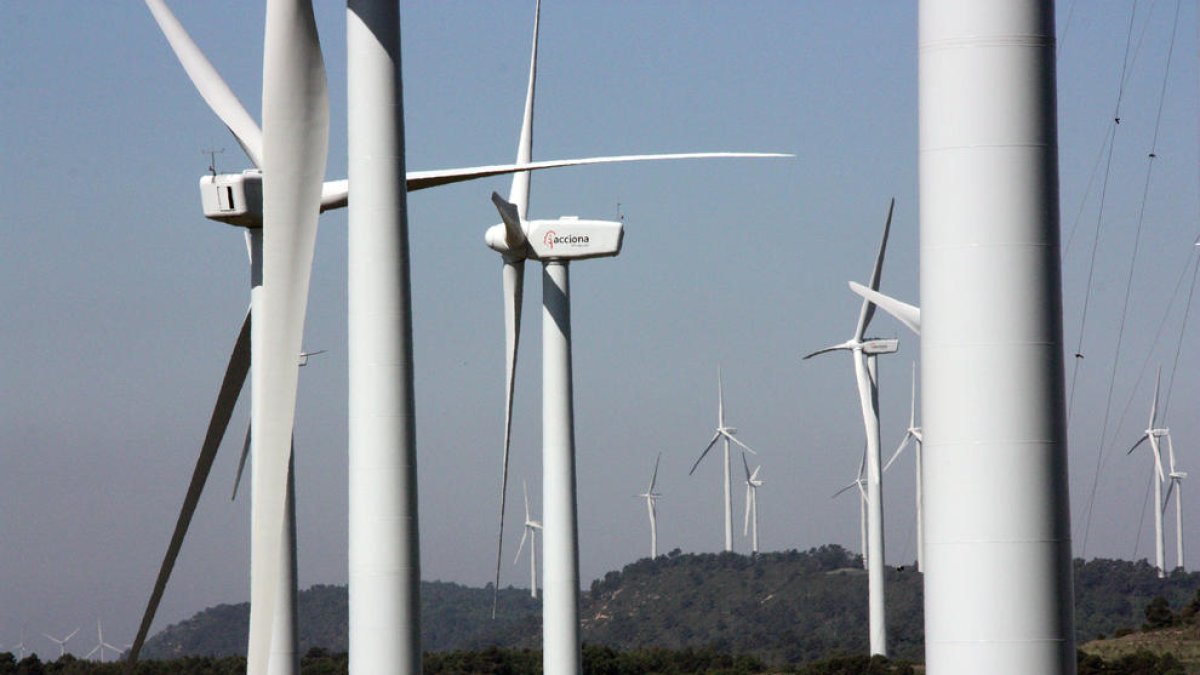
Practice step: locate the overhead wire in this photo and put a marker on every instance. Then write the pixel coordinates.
(1087, 294)
(1151, 156)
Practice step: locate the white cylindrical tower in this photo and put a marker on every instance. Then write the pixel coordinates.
(998, 596)
(865, 367)
(384, 556)
(560, 542)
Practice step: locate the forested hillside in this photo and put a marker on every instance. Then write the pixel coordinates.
(782, 607)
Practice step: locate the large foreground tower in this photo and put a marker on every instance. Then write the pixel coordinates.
(997, 525)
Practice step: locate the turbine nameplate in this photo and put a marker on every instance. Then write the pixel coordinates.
(574, 239)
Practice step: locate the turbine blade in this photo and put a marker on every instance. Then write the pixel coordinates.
(833, 348)
(654, 476)
(868, 309)
(514, 285)
(237, 480)
(1135, 445)
(519, 193)
(746, 466)
(219, 97)
(295, 146)
(71, 635)
(510, 214)
(739, 443)
(1167, 497)
(1171, 454)
(336, 194)
(231, 386)
(720, 401)
(524, 536)
(1154, 403)
(525, 490)
(903, 445)
(844, 488)
(746, 519)
(909, 315)
(420, 180)
(912, 405)
(711, 443)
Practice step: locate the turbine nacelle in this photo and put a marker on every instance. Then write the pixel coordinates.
(565, 238)
(233, 198)
(881, 346)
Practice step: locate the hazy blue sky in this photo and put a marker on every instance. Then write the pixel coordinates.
(121, 302)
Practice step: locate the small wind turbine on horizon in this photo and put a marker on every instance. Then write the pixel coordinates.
(753, 482)
(863, 351)
(913, 433)
(20, 646)
(651, 498)
(726, 434)
(860, 483)
(532, 527)
(62, 643)
(101, 645)
(1153, 433)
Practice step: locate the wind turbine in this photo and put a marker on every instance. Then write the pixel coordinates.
(864, 351)
(1175, 487)
(1153, 433)
(295, 114)
(531, 532)
(556, 243)
(726, 434)
(753, 482)
(62, 643)
(651, 497)
(101, 645)
(860, 483)
(20, 646)
(913, 433)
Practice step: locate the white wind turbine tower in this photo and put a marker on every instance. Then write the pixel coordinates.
(62, 643)
(531, 532)
(913, 433)
(556, 243)
(860, 483)
(863, 351)
(726, 434)
(1175, 488)
(1153, 433)
(651, 498)
(101, 645)
(753, 482)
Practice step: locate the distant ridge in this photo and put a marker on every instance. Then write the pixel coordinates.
(782, 606)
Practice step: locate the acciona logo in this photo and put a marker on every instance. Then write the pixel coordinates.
(553, 239)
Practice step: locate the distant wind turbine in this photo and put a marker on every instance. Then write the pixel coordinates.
(726, 434)
(651, 498)
(860, 483)
(864, 351)
(913, 433)
(532, 527)
(1175, 488)
(62, 643)
(1153, 433)
(753, 482)
(20, 646)
(101, 645)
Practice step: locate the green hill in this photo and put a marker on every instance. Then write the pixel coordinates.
(783, 607)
